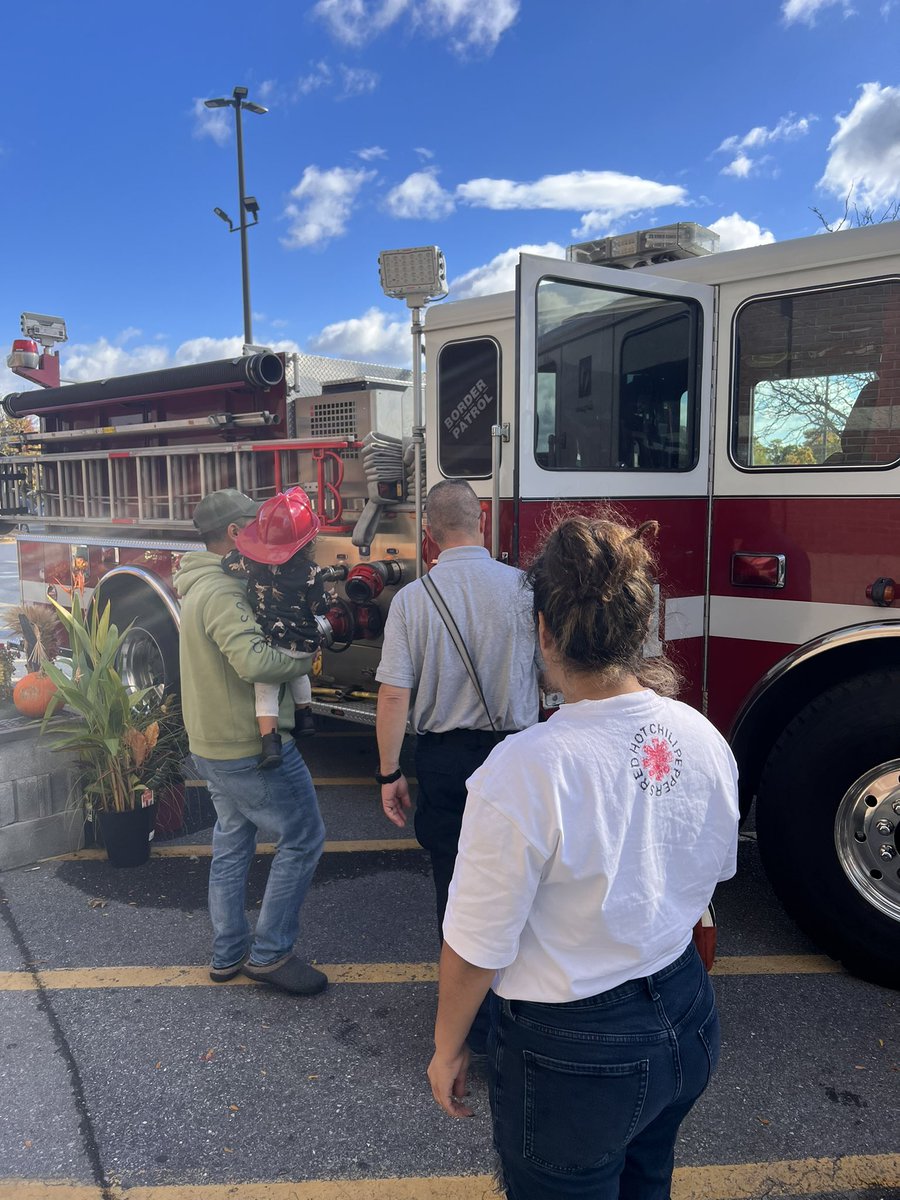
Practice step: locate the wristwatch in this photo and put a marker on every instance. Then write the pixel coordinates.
(392, 778)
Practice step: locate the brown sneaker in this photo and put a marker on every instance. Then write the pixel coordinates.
(288, 974)
(223, 974)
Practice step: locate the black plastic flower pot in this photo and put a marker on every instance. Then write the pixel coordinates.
(127, 835)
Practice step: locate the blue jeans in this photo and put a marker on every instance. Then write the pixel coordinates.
(587, 1097)
(283, 800)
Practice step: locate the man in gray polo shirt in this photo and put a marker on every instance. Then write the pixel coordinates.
(453, 732)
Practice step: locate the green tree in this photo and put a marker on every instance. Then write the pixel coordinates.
(798, 421)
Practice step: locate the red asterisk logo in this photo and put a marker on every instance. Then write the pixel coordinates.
(657, 759)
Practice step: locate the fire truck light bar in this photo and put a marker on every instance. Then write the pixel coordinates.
(665, 243)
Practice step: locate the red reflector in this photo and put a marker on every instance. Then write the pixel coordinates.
(757, 570)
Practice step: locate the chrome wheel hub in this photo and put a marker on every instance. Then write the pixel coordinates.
(866, 830)
(140, 660)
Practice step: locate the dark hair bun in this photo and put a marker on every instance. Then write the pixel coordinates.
(594, 584)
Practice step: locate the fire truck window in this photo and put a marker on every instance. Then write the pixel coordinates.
(615, 380)
(468, 386)
(544, 412)
(814, 379)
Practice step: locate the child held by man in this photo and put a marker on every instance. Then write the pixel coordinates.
(285, 589)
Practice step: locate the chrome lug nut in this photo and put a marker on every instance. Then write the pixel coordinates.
(887, 851)
(884, 826)
(896, 807)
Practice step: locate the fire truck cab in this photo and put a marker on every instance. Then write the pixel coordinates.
(750, 402)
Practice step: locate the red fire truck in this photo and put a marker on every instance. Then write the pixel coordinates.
(745, 400)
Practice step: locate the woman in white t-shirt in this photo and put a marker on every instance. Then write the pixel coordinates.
(590, 846)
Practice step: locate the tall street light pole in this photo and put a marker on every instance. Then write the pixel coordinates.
(246, 204)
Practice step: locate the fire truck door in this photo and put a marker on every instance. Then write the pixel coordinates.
(614, 406)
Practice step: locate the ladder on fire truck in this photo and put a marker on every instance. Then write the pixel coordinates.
(160, 486)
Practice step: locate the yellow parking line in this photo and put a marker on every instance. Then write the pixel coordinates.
(777, 964)
(79, 978)
(728, 1181)
(798, 1177)
(347, 846)
(49, 1189)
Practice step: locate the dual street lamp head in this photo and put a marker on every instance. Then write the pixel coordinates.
(238, 98)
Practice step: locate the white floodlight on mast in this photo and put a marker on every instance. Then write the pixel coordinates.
(46, 330)
(418, 276)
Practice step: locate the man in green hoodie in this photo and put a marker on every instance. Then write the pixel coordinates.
(223, 653)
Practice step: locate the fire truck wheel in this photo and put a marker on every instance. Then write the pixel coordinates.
(149, 654)
(828, 823)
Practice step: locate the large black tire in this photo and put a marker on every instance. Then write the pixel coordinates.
(149, 655)
(825, 801)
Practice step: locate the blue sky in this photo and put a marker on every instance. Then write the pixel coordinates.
(480, 125)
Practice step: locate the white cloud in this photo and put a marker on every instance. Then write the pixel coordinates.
(373, 337)
(370, 153)
(807, 10)
(736, 233)
(12, 383)
(864, 154)
(323, 203)
(419, 196)
(350, 81)
(103, 359)
(603, 196)
(740, 166)
(318, 76)
(357, 81)
(473, 24)
(209, 349)
(212, 122)
(786, 129)
(499, 275)
(266, 89)
(469, 24)
(424, 153)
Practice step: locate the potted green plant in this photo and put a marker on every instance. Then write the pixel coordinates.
(162, 771)
(113, 732)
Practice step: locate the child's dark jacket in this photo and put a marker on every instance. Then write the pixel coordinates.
(284, 599)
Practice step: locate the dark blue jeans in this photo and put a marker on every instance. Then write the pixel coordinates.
(587, 1097)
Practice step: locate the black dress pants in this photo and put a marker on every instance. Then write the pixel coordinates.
(444, 761)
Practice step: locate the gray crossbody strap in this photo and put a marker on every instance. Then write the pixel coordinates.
(447, 617)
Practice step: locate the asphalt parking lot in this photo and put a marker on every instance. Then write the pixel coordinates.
(126, 1075)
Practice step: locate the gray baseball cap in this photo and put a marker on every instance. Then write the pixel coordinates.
(218, 510)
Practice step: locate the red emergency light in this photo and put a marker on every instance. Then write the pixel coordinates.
(757, 570)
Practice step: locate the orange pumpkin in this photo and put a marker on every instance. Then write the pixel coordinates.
(33, 693)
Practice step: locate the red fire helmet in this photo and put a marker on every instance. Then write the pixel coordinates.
(283, 525)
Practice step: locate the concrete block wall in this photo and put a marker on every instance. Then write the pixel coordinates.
(36, 818)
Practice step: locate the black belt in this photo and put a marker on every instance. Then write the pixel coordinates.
(471, 737)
